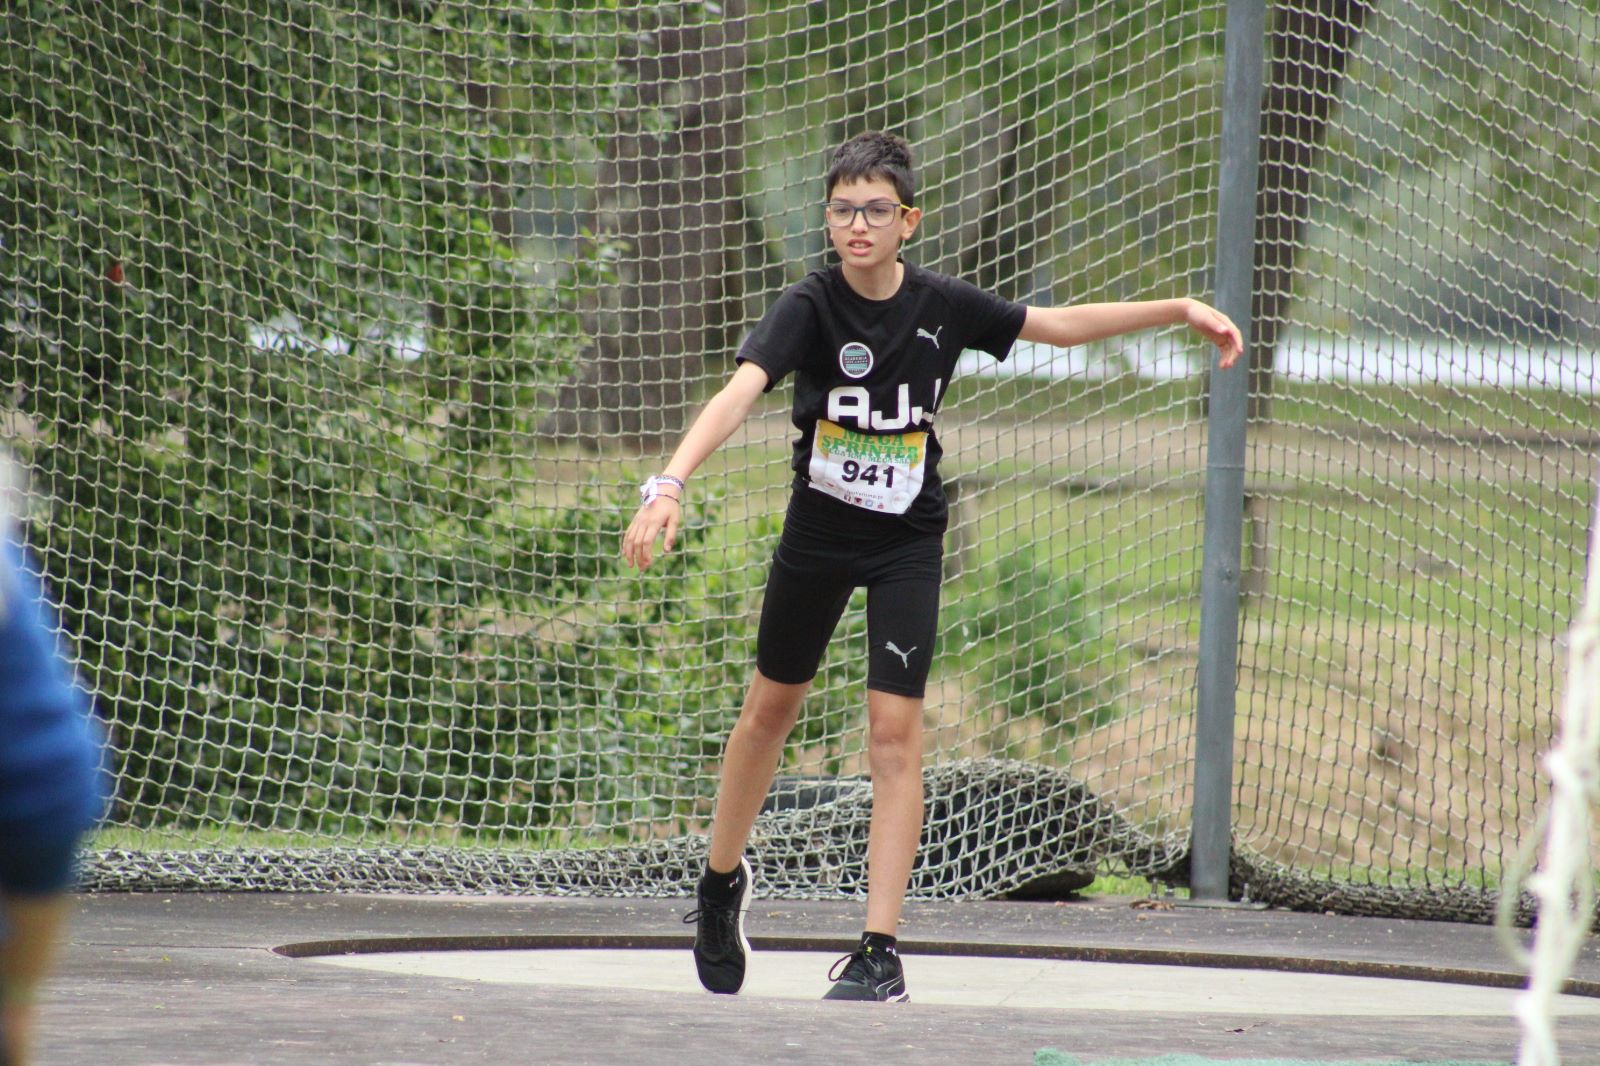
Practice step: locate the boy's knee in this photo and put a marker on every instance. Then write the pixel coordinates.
(768, 723)
(771, 708)
(894, 749)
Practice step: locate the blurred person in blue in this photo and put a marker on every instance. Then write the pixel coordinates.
(53, 784)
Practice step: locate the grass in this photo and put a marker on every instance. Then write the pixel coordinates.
(1450, 410)
(1399, 667)
(1307, 405)
(1467, 556)
(1028, 399)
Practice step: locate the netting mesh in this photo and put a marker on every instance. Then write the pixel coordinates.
(336, 336)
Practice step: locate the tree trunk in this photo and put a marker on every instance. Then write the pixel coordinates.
(672, 202)
(1310, 48)
(1018, 218)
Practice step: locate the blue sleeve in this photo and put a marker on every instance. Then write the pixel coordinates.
(52, 772)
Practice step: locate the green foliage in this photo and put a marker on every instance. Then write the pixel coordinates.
(1062, 142)
(664, 658)
(1489, 108)
(1031, 637)
(273, 359)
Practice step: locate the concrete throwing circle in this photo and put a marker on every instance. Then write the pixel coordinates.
(974, 981)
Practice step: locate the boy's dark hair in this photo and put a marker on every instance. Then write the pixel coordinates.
(873, 156)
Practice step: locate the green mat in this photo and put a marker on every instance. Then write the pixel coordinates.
(1051, 1057)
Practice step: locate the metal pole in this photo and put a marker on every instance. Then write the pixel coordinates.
(1212, 840)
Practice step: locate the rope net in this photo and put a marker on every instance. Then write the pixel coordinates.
(335, 338)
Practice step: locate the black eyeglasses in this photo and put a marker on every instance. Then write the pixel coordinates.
(879, 213)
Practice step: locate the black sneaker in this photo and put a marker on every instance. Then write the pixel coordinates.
(720, 948)
(870, 974)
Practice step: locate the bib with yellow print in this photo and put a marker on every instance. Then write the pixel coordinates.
(879, 472)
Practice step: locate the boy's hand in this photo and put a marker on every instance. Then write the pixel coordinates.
(1217, 328)
(661, 514)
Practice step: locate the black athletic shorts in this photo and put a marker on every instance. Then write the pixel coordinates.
(827, 550)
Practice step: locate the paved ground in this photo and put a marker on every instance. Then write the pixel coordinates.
(176, 978)
(977, 981)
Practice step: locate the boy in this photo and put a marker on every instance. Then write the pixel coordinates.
(872, 342)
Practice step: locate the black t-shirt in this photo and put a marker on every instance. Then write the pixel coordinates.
(869, 376)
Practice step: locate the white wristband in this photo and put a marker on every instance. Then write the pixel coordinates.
(652, 488)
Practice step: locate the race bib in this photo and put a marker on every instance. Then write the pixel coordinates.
(878, 472)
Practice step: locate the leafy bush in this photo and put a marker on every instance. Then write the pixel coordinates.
(1030, 636)
(273, 365)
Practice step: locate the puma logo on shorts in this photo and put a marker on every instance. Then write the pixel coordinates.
(905, 656)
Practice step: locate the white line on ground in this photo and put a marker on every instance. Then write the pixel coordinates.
(981, 982)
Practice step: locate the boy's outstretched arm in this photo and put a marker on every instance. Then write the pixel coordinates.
(715, 423)
(1066, 327)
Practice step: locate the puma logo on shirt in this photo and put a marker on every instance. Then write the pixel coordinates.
(934, 336)
(905, 656)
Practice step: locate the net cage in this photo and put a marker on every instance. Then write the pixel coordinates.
(336, 337)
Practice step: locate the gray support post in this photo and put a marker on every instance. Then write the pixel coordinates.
(1212, 839)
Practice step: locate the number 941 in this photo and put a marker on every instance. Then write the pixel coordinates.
(854, 471)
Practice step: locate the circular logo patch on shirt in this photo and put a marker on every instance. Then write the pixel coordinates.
(855, 359)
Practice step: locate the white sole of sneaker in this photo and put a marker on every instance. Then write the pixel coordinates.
(744, 908)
